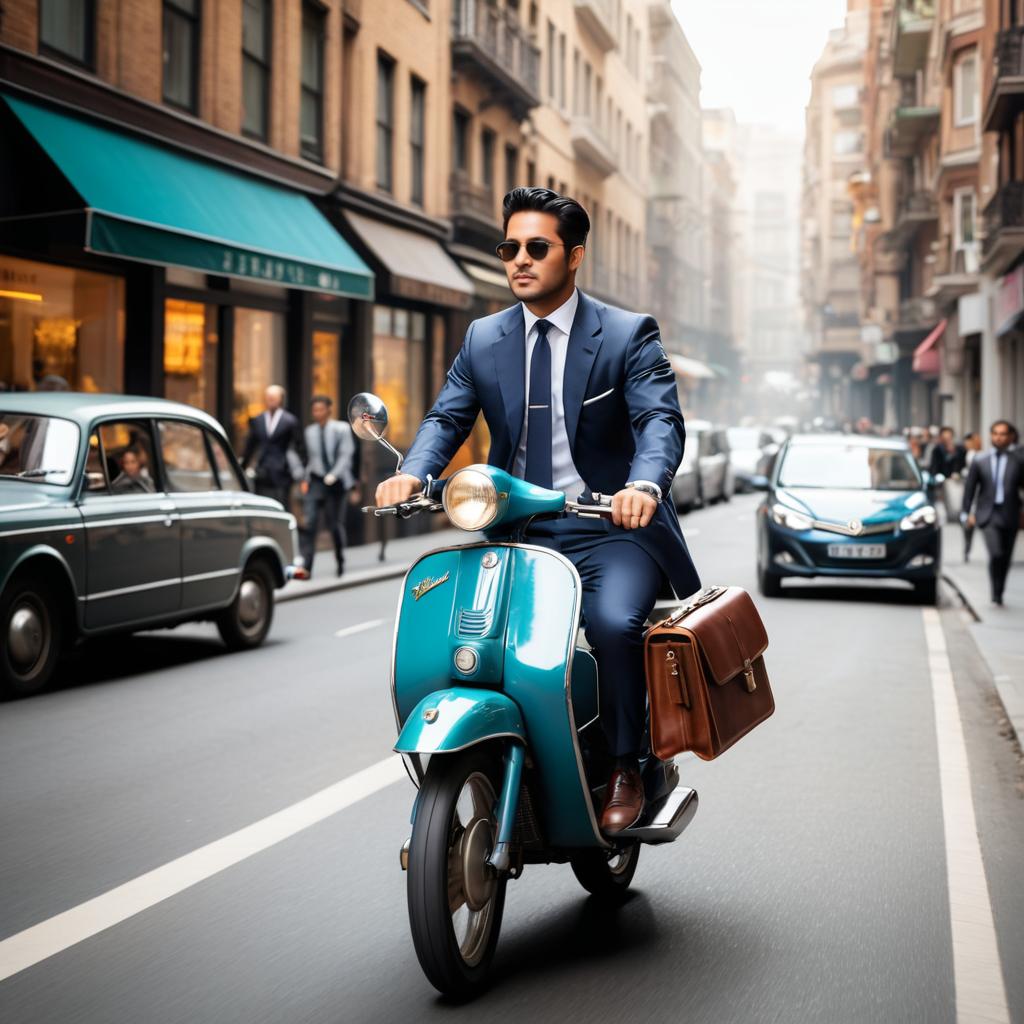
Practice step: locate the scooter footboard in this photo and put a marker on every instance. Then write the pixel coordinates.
(453, 719)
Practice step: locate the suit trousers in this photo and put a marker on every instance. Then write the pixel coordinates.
(1000, 536)
(279, 492)
(329, 503)
(621, 582)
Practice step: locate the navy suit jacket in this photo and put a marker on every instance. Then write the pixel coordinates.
(622, 413)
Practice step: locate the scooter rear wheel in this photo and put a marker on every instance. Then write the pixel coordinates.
(606, 874)
(455, 900)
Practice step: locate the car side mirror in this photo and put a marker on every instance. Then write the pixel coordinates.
(368, 417)
(759, 483)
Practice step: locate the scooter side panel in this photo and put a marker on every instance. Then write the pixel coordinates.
(540, 642)
(457, 718)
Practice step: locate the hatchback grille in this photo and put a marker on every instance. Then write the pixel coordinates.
(473, 622)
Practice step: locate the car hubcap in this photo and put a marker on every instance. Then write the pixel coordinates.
(250, 603)
(25, 637)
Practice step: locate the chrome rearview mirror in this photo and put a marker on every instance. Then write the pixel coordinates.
(368, 416)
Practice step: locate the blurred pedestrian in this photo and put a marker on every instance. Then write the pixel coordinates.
(946, 464)
(329, 477)
(972, 446)
(274, 443)
(134, 477)
(997, 478)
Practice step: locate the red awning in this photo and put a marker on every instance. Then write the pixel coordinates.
(926, 355)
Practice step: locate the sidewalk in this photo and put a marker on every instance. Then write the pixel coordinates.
(998, 632)
(362, 564)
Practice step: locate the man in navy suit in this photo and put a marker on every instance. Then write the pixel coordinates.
(997, 478)
(275, 444)
(579, 397)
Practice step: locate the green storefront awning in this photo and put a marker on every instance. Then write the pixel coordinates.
(145, 201)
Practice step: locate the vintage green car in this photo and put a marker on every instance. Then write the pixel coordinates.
(121, 513)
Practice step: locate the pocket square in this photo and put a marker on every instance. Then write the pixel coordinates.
(597, 398)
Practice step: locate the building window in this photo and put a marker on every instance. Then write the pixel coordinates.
(965, 90)
(400, 369)
(963, 218)
(256, 67)
(59, 328)
(417, 137)
(531, 173)
(190, 353)
(847, 143)
(845, 96)
(326, 360)
(311, 104)
(259, 360)
(385, 121)
(562, 104)
(576, 107)
(460, 141)
(487, 141)
(181, 53)
(552, 58)
(511, 168)
(588, 80)
(66, 29)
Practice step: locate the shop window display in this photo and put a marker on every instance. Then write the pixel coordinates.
(190, 353)
(259, 360)
(400, 369)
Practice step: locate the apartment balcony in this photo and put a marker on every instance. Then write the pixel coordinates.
(491, 43)
(955, 273)
(591, 146)
(911, 32)
(916, 314)
(916, 209)
(1006, 98)
(472, 210)
(598, 18)
(1004, 228)
(908, 128)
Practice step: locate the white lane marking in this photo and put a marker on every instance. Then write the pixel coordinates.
(360, 627)
(977, 970)
(55, 934)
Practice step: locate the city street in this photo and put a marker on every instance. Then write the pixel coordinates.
(813, 884)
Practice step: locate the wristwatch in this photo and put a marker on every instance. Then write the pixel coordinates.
(647, 487)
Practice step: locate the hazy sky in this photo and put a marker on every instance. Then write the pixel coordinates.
(756, 55)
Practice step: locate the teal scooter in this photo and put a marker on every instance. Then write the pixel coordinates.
(496, 702)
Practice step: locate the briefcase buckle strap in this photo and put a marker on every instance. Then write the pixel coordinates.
(702, 598)
(748, 675)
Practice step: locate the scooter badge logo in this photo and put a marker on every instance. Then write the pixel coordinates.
(427, 584)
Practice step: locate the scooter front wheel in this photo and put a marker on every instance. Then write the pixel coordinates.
(606, 873)
(455, 899)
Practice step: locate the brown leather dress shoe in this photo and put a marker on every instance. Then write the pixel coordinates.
(623, 801)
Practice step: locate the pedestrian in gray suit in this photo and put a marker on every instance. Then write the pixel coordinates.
(330, 447)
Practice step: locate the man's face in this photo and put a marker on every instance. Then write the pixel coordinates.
(1001, 436)
(321, 411)
(274, 397)
(534, 280)
(946, 437)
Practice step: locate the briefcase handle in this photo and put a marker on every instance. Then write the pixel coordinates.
(701, 598)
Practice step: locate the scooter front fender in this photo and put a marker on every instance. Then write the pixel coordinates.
(453, 719)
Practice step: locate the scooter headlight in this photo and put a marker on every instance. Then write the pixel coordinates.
(471, 500)
(919, 518)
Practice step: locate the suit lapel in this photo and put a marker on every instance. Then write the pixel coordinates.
(509, 352)
(584, 343)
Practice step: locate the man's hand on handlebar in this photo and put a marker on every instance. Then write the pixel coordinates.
(396, 489)
(632, 509)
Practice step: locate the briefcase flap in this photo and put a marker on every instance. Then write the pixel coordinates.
(729, 632)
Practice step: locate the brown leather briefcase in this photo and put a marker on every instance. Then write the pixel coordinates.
(706, 680)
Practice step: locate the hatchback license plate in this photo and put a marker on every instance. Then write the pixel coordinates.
(856, 551)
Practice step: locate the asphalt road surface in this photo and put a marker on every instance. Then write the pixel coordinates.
(813, 885)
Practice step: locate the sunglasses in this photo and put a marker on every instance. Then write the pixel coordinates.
(536, 249)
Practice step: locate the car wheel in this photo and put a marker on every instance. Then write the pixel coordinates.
(767, 584)
(927, 591)
(246, 621)
(30, 638)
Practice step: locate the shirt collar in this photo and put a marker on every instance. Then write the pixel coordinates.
(561, 318)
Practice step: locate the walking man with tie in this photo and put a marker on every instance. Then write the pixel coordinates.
(274, 442)
(997, 478)
(579, 397)
(329, 478)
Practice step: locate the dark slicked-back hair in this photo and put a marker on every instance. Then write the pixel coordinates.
(573, 222)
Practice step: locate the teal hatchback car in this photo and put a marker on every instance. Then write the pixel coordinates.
(118, 514)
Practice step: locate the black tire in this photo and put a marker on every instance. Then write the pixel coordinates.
(606, 874)
(31, 637)
(458, 968)
(768, 585)
(244, 624)
(927, 592)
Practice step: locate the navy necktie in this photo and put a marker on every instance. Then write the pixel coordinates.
(538, 420)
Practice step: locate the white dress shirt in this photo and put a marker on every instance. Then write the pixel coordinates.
(270, 420)
(565, 476)
(999, 460)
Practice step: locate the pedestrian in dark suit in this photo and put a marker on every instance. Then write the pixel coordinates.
(579, 397)
(329, 478)
(997, 477)
(275, 444)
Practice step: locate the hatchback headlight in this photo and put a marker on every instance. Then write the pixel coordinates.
(789, 517)
(471, 500)
(919, 518)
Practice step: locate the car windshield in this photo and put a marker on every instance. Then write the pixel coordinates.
(744, 437)
(850, 466)
(37, 448)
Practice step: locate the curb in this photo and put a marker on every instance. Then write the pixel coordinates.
(355, 579)
(951, 583)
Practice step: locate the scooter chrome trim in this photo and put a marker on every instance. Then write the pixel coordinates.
(577, 607)
(665, 821)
